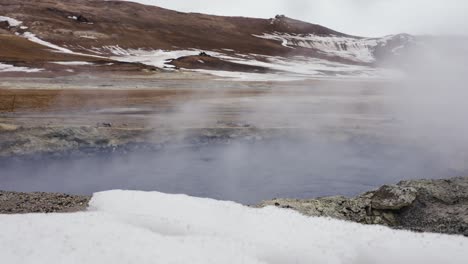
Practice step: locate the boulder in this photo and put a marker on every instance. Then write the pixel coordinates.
(393, 197)
(439, 206)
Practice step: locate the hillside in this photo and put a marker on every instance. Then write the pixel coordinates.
(131, 32)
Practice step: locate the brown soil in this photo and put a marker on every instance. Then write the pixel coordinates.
(59, 100)
(18, 51)
(150, 27)
(40, 100)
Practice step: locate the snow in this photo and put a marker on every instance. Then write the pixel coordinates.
(11, 21)
(139, 227)
(294, 68)
(32, 37)
(73, 63)
(88, 37)
(347, 47)
(11, 68)
(300, 67)
(284, 41)
(37, 40)
(157, 58)
(352, 48)
(356, 49)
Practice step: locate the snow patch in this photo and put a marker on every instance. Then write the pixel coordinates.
(73, 63)
(12, 68)
(11, 21)
(37, 40)
(294, 68)
(157, 58)
(352, 48)
(88, 37)
(139, 227)
(32, 37)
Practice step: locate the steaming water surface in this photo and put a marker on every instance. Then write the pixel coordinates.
(373, 151)
(243, 172)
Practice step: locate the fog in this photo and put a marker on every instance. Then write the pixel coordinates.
(335, 138)
(431, 102)
(359, 17)
(329, 138)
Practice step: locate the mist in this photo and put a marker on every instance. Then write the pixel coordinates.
(248, 142)
(431, 101)
(297, 140)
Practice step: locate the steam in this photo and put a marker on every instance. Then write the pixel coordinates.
(288, 139)
(253, 141)
(430, 102)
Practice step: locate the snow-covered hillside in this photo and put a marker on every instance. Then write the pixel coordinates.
(292, 68)
(152, 36)
(138, 227)
(357, 49)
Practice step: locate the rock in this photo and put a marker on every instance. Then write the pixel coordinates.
(82, 19)
(203, 54)
(393, 197)
(439, 206)
(4, 24)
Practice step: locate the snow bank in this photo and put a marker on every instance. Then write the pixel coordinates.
(11, 68)
(357, 49)
(294, 68)
(32, 37)
(157, 58)
(73, 63)
(138, 227)
(11, 21)
(37, 40)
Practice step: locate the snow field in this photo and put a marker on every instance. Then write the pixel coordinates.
(151, 227)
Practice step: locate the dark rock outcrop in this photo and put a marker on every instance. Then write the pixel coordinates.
(421, 205)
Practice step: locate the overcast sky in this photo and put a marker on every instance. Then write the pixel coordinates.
(358, 17)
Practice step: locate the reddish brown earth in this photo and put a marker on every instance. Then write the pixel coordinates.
(50, 100)
(132, 25)
(103, 28)
(19, 51)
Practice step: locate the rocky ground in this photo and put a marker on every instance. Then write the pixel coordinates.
(19, 203)
(439, 206)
